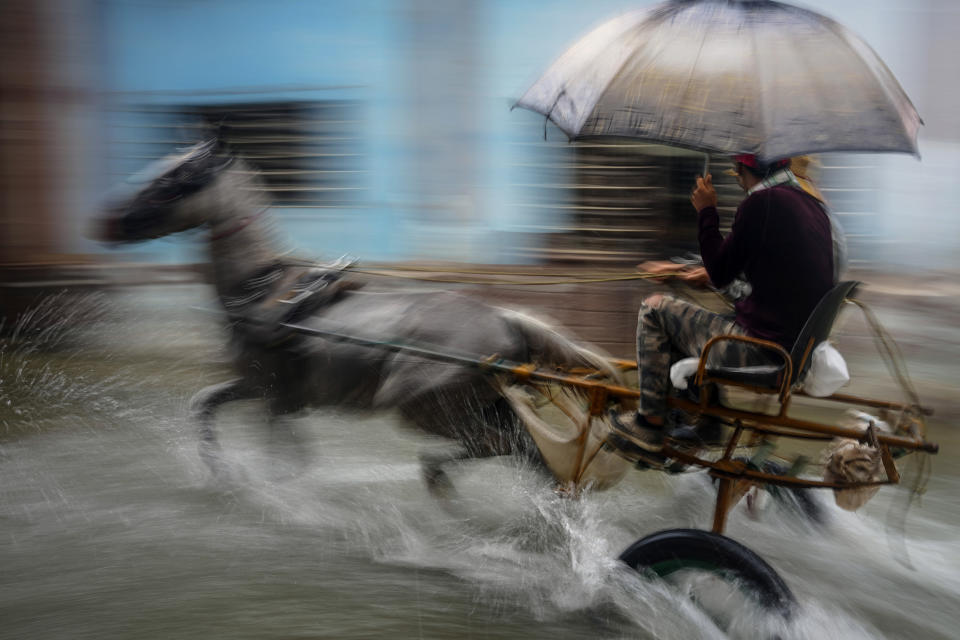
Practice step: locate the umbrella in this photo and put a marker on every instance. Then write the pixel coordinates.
(728, 76)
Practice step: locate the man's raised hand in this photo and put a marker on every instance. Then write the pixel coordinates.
(704, 195)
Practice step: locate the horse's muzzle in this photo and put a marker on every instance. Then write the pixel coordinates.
(106, 229)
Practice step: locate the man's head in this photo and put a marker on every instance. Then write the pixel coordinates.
(749, 171)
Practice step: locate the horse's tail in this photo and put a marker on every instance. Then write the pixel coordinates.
(548, 347)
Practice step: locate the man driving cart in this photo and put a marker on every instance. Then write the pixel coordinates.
(783, 244)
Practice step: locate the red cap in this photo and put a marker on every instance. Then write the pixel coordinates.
(751, 161)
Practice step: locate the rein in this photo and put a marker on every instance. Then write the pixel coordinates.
(243, 224)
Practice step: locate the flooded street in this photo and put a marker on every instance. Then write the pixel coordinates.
(111, 527)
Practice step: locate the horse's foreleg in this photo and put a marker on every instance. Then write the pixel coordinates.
(283, 440)
(203, 407)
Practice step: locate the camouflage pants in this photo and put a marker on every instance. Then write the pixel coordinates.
(674, 330)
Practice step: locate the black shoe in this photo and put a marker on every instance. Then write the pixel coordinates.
(630, 452)
(637, 434)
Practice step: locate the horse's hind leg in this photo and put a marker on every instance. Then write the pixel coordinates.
(203, 407)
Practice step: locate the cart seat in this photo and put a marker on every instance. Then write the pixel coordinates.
(780, 377)
(767, 375)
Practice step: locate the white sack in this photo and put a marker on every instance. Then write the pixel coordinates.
(827, 373)
(681, 371)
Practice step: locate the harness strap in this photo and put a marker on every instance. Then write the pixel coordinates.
(242, 224)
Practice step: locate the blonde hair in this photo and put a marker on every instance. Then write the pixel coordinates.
(801, 168)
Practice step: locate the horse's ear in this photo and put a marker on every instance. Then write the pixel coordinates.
(215, 137)
(220, 135)
(222, 151)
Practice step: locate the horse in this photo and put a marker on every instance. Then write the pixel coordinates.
(207, 186)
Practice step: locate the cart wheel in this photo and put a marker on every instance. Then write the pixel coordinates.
(674, 550)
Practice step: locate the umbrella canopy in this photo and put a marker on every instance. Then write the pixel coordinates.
(728, 76)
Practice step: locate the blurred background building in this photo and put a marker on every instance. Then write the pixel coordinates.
(383, 129)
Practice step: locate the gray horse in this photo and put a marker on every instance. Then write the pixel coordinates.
(208, 187)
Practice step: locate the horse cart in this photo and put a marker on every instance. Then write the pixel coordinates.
(744, 454)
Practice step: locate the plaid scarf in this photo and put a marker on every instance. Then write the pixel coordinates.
(784, 176)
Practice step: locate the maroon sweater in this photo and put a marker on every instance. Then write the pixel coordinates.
(780, 240)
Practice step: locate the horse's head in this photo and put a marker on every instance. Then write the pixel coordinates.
(164, 198)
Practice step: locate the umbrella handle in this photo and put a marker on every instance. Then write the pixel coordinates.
(706, 164)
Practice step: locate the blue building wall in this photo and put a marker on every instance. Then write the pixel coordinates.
(448, 165)
(445, 156)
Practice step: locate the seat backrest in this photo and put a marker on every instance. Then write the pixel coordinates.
(818, 326)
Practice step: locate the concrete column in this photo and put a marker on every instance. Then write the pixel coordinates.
(26, 89)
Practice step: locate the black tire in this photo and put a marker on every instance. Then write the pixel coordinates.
(664, 552)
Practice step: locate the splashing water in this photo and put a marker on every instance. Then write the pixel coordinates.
(112, 528)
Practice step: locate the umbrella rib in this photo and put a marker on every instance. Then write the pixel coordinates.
(761, 109)
(626, 62)
(821, 92)
(659, 52)
(693, 67)
(563, 92)
(840, 32)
